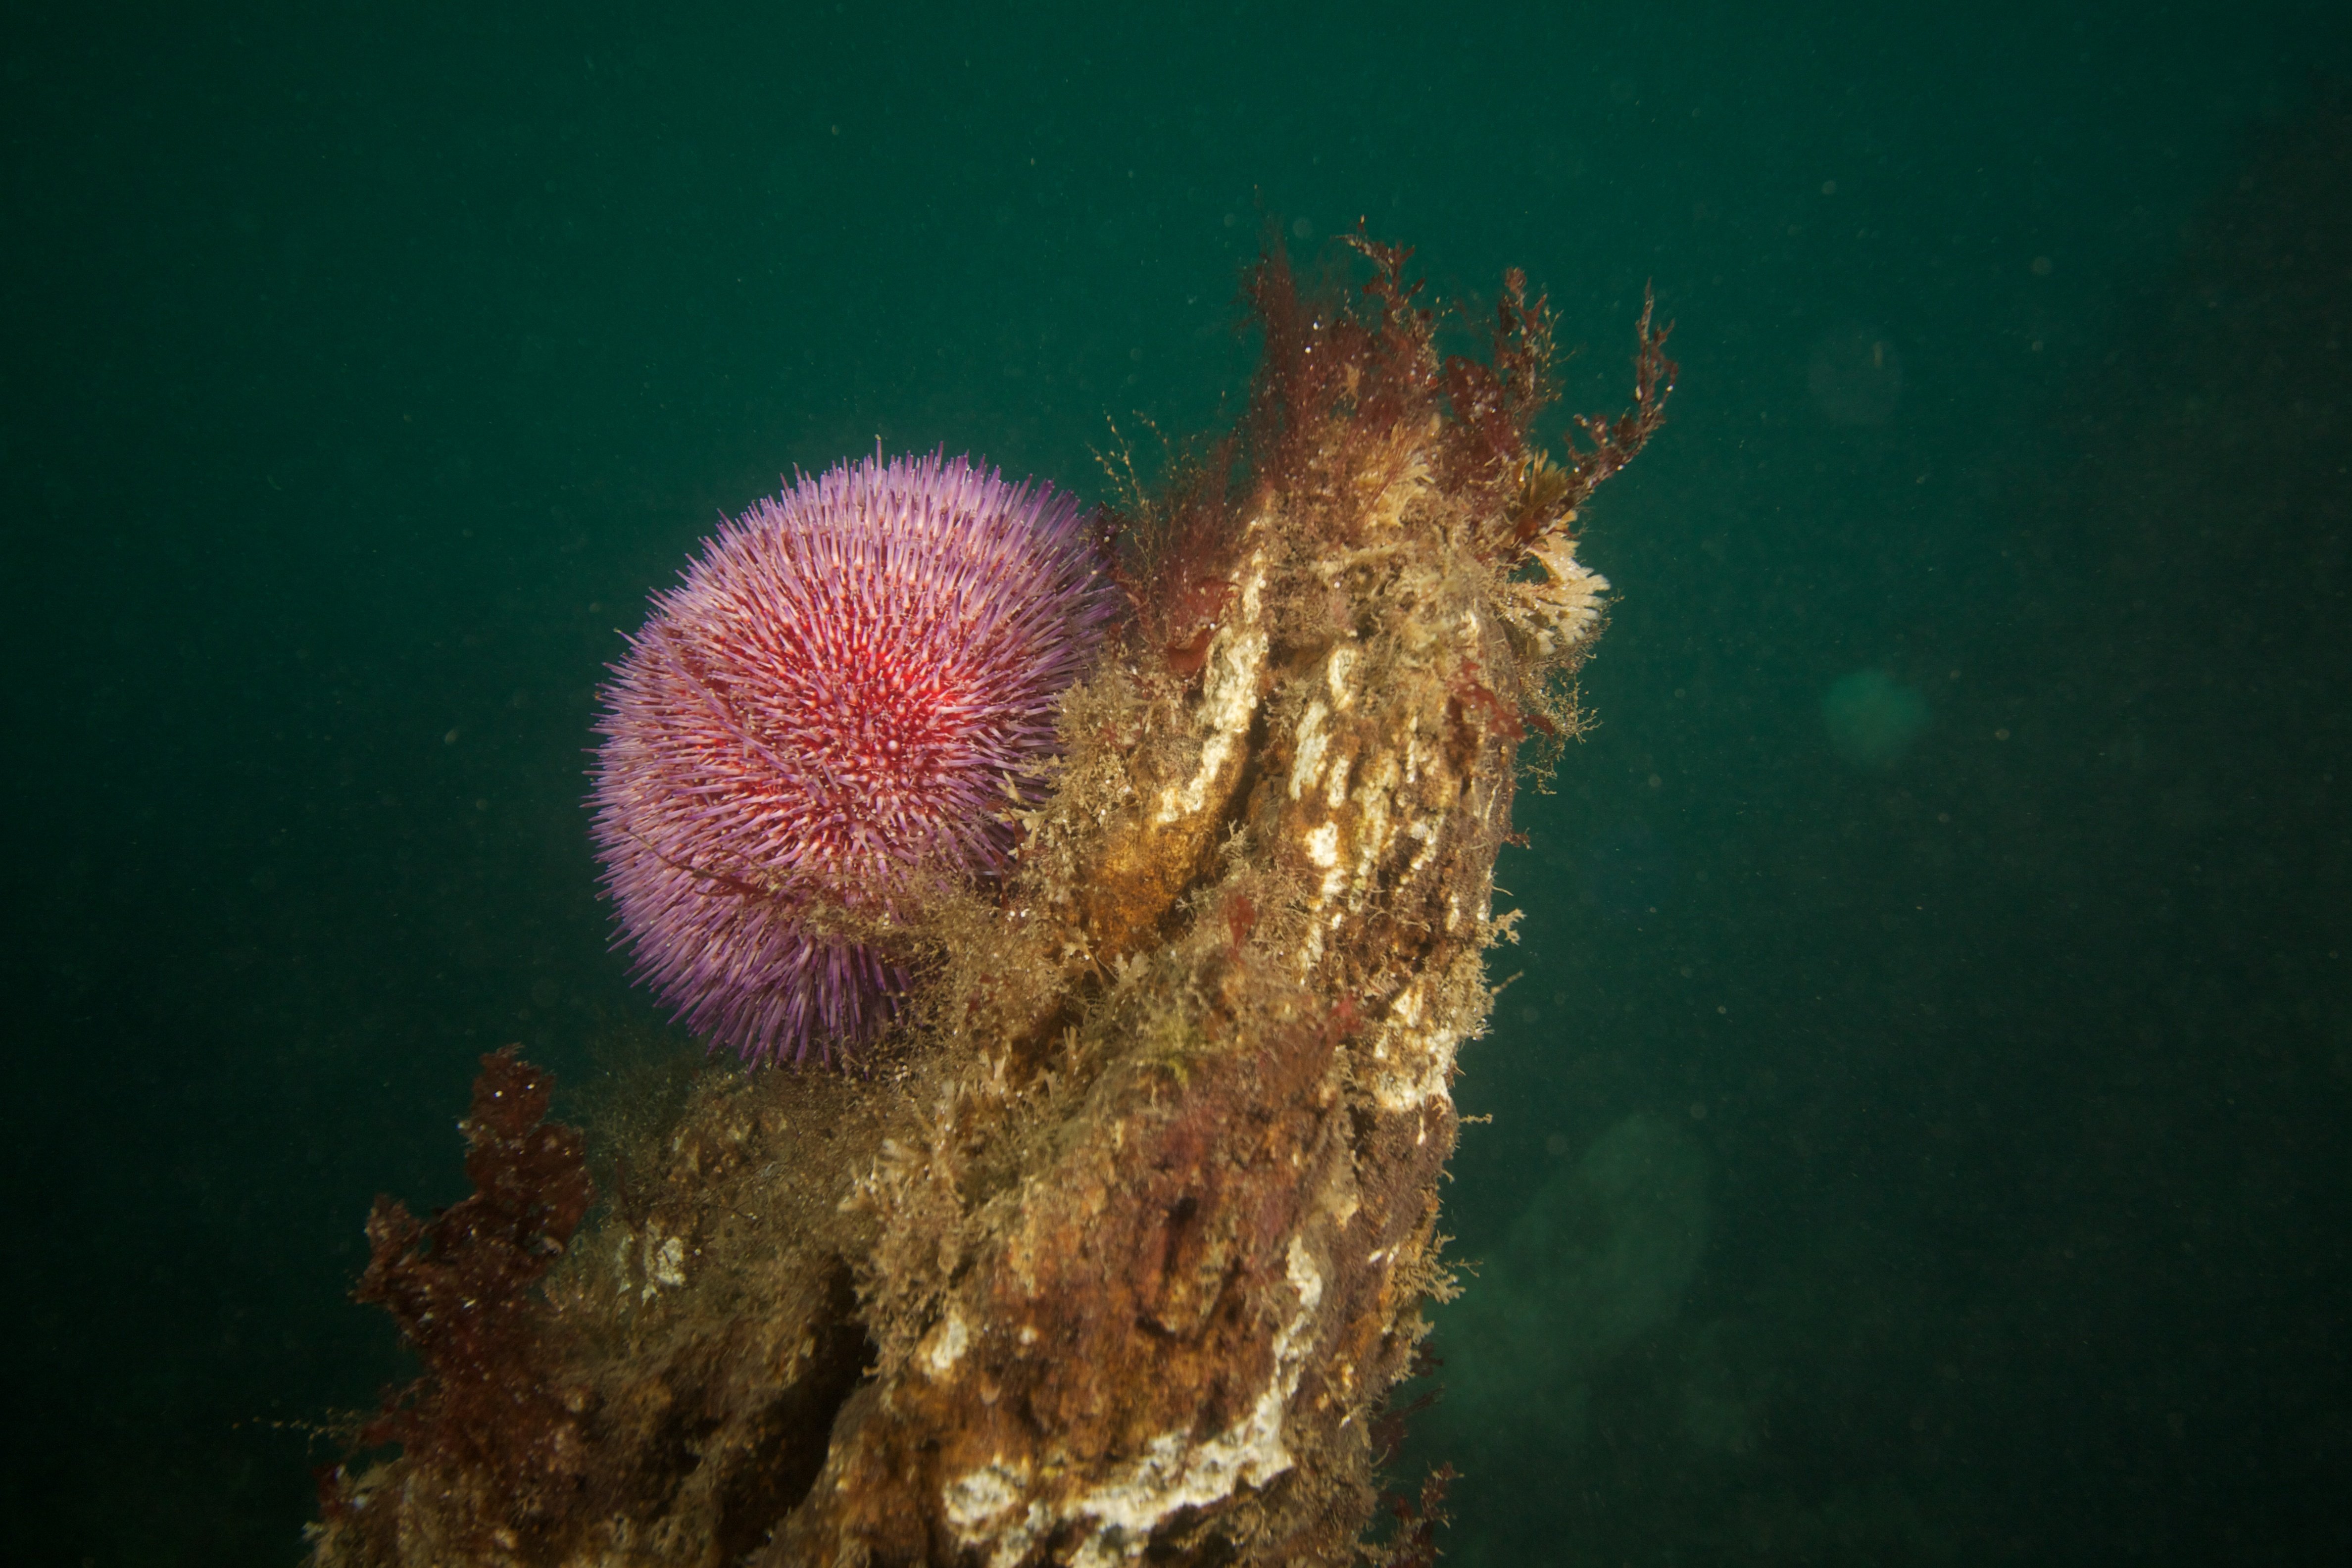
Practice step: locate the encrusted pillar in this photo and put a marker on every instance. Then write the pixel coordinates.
(1120, 1246)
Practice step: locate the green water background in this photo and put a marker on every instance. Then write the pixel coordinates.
(1931, 1039)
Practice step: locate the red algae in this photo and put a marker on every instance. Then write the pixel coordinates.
(460, 1286)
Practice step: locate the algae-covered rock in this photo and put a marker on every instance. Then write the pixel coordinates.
(1121, 1243)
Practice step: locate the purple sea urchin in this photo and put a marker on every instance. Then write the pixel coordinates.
(836, 699)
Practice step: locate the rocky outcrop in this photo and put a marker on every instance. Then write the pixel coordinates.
(1119, 1249)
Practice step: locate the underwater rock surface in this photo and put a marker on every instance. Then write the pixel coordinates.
(1122, 1242)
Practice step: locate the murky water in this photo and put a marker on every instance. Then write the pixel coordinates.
(1919, 1105)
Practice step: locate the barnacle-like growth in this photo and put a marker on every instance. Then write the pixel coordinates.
(1122, 1247)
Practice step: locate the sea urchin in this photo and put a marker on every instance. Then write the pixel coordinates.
(851, 685)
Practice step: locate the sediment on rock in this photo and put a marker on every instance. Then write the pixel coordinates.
(1121, 1246)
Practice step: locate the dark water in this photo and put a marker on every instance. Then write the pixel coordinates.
(1920, 1120)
